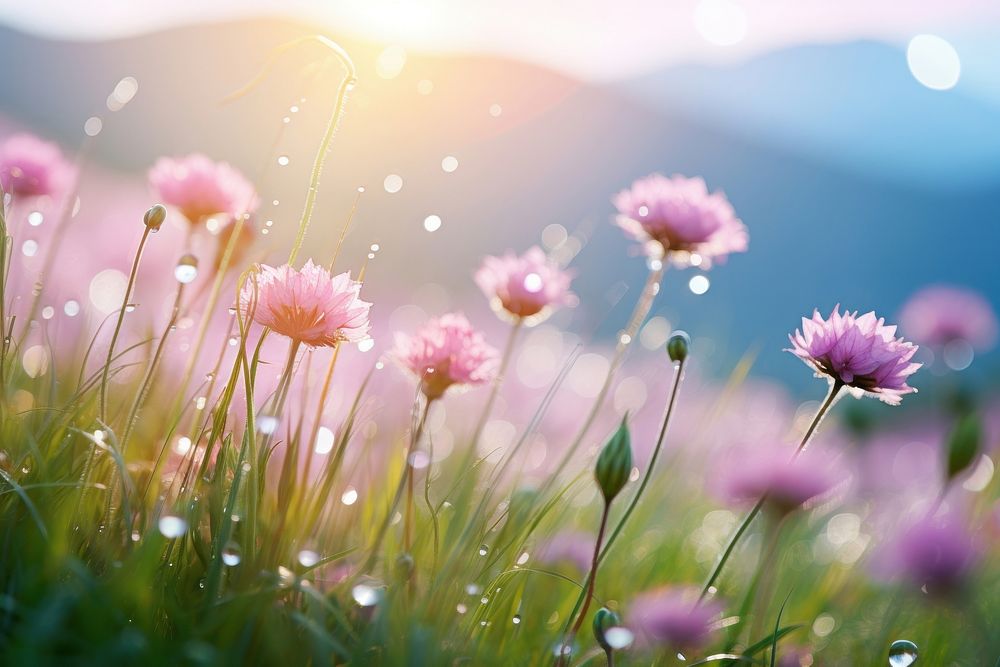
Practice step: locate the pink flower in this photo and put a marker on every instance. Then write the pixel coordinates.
(788, 482)
(942, 314)
(672, 617)
(859, 352)
(568, 546)
(938, 553)
(310, 306)
(526, 286)
(678, 217)
(30, 167)
(447, 351)
(200, 187)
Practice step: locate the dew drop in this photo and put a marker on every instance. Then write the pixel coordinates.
(432, 223)
(902, 653)
(267, 424)
(283, 160)
(48, 312)
(516, 620)
(71, 308)
(366, 596)
(483, 550)
(393, 183)
(618, 637)
(35, 218)
(172, 527)
(308, 558)
(187, 269)
(29, 248)
(231, 554)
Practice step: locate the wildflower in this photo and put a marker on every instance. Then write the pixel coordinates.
(200, 187)
(529, 286)
(672, 617)
(310, 305)
(942, 314)
(446, 352)
(567, 546)
(772, 471)
(31, 167)
(678, 218)
(935, 552)
(861, 353)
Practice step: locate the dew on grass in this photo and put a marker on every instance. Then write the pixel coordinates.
(308, 558)
(902, 653)
(483, 550)
(187, 269)
(172, 527)
(231, 554)
(365, 595)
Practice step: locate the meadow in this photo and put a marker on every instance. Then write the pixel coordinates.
(219, 458)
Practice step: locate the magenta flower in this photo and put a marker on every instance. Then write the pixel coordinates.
(942, 314)
(30, 167)
(771, 469)
(567, 546)
(938, 553)
(672, 617)
(199, 187)
(310, 306)
(861, 353)
(529, 286)
(678, 218)
(446, 352)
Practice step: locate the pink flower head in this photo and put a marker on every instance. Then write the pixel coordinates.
(568, 546)
(447, 351)
(672, 617)
(859, 352)
(200, 187)
(787, 482)
(679, 218)
(310, 306)
(938, 553)
(942, 314)
(30, 167)
(526, 286)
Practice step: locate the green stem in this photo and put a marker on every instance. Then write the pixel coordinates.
(591, 579)
(118, 325)
(831, 397)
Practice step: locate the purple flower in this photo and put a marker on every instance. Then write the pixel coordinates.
(860, 352)
(788, 482)
(199, 187)
(30, 167)
(529, 286)
(672, 617)
(936, 552)
(942, 314)
(568, 546)
(678, 218)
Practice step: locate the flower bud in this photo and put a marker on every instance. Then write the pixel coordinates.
(678, 345)
(963, 445)
(614, 465)
(604, 619)
(154, 217)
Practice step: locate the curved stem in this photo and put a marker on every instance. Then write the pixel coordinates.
(639, 313)
(118, 325)
(591, 579)
(831, 397)
(668, 413)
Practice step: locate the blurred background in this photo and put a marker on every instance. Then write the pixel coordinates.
(860, 144)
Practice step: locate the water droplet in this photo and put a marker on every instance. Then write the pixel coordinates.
(29, 248)
(618, 638)
(699, 284)
(172, 526)
(484, 600)
(187, 269)
(294, 109)
(35, 218)
(351, 84)
(483, 550)
(902, 653)
(48, 312)
(71, 308)
(233, 341)
(366, 344)
(308, 558)
(231, 554)
(461, 608)
(136, 536)
(350, 496)
(393, 183)
(473, 589)
(364, 595)
(562, 649)
(283, 160)
(267, 424)
(516, 620)
(432, 223)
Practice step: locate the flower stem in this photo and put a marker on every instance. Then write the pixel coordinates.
(824, 408)
(591, 579)
(639, 313)
(398, 495)
(103, 409)
(668, 413)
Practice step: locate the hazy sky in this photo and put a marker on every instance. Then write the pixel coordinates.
(592, 39)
